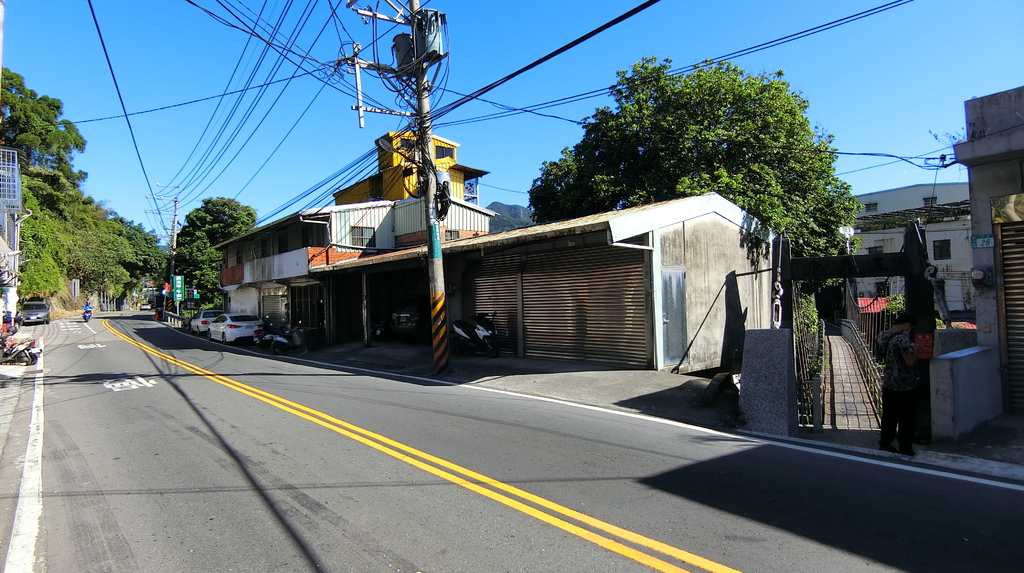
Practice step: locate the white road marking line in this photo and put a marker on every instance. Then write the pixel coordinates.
(21, 553)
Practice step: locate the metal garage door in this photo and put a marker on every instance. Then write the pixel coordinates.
(492, 285)
(1012, 252)
(586, 304)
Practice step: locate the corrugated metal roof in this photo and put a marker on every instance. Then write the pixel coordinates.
(598, 222)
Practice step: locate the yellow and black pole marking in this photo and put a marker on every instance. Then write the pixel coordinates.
(439, 331)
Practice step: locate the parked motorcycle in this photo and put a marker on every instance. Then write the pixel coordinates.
(278, 338)
(475, 334)
(17, 351)
(264, 334)
(379, 330)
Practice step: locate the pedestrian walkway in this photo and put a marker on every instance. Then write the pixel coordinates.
(848, 404)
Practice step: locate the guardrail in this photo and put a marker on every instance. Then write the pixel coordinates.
(176, 320)
(865, 361)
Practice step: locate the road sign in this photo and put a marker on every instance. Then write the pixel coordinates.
(178, 287)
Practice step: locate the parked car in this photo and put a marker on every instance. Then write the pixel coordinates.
(35, 312)
(230, 327)
(411, 320)
(200, 323)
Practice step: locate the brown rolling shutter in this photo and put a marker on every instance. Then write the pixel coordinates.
(1012, 252)
(491, 285)
(586, 304)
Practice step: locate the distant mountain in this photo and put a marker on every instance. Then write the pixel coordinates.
(509, 217)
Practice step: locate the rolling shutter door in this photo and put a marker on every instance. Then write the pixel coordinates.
(492, 285)
(273, 306)
(586, 304)
(1012, 243)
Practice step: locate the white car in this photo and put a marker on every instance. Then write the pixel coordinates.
(230, 327)
(200, 323)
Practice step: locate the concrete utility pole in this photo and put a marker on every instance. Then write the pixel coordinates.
(424, 54)
(428, 175)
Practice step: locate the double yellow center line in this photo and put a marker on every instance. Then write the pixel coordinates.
(545, 510)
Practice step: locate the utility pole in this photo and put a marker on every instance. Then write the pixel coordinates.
(172, 251)
(426, 51)
(428, 175)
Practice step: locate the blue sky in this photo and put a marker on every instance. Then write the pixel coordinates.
(880, 84)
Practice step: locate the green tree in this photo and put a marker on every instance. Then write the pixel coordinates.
(215, 221)
(69, 235)
(716, 129)
(32, 125)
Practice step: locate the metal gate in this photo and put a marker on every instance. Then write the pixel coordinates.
(587, 304)
(1012, 254)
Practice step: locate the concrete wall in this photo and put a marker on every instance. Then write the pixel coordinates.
(951, 339)
(768, 383)
(243, 299)
(966, 390)
(993, 151)
(726, 295)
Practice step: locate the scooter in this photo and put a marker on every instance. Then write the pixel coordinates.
(475, 334)
(264, 334)
(87, 314)
(379, 330)
(18, 351)
(281, 340)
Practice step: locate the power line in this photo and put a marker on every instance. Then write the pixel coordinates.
(120, 98)
(744, 52)
(200, 100)
(444, 110)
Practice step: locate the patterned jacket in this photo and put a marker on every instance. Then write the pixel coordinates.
(897, 375)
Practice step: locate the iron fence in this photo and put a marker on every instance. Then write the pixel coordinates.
(860, 329)
(810, 357)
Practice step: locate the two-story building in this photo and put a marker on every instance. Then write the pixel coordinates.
(945, 212)
(266, 272)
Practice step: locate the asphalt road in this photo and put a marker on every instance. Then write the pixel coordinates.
(159, 451)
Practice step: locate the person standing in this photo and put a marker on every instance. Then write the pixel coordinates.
(899, 386)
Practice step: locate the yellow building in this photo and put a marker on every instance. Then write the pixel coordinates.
(396, 178)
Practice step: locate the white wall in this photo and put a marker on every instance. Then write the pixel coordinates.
(244, 299)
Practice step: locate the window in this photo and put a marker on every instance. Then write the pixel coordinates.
(282, 242)
(444, 152)
(313, 235)
(451, 234)
(871, 207)
(874, 250)
(941, 250)
(931, 201)
(265, 248)
(363, 236)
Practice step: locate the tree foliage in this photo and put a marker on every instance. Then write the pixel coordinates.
(716, 129)
(32, 125)
(215, 221)
(68, 234)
